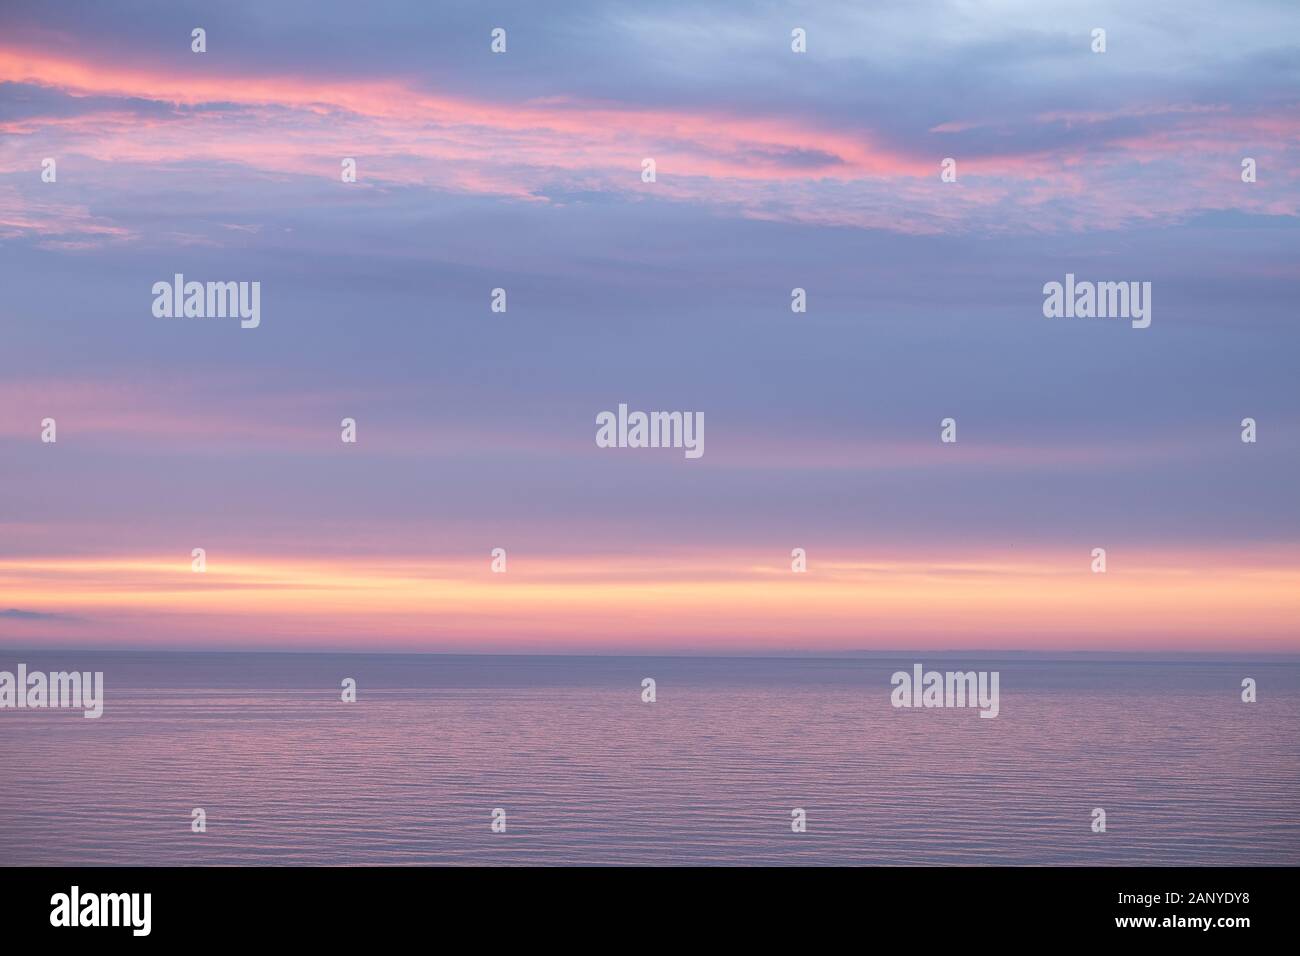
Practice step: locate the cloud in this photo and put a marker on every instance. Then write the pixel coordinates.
(15, 614)
(1067, 163)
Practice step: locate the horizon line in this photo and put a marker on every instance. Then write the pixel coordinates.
(1093, 656)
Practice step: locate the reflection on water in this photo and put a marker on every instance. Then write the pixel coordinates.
(587, 773)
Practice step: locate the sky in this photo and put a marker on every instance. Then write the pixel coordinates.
(775, 170)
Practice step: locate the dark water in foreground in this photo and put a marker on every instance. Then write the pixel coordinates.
(587, 773)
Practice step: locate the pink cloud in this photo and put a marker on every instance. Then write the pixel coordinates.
(768, 167)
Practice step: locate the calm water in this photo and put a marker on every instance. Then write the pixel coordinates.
(587, 773)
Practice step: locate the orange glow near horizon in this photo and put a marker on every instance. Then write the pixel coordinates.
(1039, 602)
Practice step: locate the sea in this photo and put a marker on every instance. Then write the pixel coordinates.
(560, 760)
